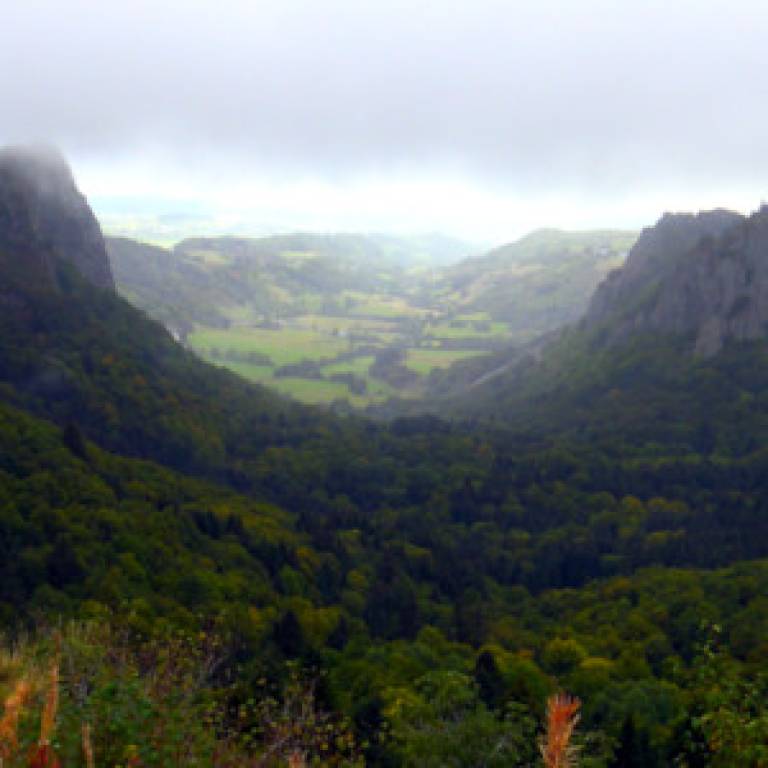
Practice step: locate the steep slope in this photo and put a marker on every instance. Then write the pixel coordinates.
(72, 351)
(713, 288)
(176, 291)
(45, 221)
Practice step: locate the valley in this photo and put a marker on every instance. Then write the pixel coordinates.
(352, 320)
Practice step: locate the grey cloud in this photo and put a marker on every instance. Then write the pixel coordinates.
(590, 95)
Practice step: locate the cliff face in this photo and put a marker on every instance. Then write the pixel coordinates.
(719, 291)
(703, 275)
(655, 254)
(45, 219)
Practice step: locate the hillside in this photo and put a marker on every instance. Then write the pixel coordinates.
(225, 279)
(539, 283)
(442, 577)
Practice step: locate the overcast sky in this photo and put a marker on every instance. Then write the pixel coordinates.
(483, 118)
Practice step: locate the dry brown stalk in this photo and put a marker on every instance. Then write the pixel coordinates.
(87, 746)
(9, 724)
(44, 756)
(562, 716)
(48, 720)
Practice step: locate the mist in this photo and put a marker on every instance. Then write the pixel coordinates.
(484, 118)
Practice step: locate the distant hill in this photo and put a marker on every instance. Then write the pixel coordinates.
(538, 283)
(209, 281)
(318, 315)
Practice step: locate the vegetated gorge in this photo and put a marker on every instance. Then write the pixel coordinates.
(559, 494)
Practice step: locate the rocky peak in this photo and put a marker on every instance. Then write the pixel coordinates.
(45, 219)
(704, 276)
(655, 255)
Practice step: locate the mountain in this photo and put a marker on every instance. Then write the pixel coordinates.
(177, 291)
(538, 285)
(45, 221)
(534, 285)
(73, 351)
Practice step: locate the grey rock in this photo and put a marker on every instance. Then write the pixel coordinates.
(655, 254)
(704, 276)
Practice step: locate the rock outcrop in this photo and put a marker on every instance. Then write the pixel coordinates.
(704, 276)
(655, 254)
(44, 220)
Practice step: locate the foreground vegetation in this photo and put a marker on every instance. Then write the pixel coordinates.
(436, 581)
(93, 694)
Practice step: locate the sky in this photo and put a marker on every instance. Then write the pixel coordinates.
(482, 119)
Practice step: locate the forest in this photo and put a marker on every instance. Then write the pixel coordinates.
(417, 588)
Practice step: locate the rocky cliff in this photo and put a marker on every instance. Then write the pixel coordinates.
(703, 276)
(45, 220)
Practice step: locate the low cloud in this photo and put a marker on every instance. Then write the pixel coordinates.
(596, 102)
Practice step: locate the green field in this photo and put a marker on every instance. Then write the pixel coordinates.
(423, 361)
(248, 371)
(323, 338)
(315, 301)
(358, 366)
(376, 305)
(330, 323)
(313, 391)
(474, 326)
(286, 345)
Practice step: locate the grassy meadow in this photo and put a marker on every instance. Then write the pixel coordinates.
(344, 346)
